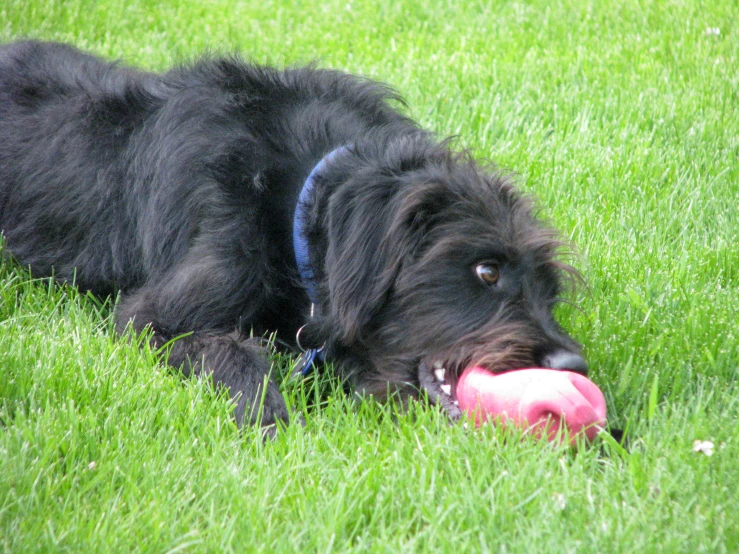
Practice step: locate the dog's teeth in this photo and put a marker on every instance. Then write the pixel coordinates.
(438, 364)
(446, 389)
(440, 373)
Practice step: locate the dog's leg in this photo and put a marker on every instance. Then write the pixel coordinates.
(200, 302)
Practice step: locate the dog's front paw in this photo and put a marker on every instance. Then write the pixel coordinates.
(243, 369)
(263, 407)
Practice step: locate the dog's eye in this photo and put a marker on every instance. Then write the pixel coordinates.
(488, 273)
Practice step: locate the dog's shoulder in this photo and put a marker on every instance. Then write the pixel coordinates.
(292, 85)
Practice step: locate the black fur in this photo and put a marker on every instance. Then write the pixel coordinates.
(179, 190)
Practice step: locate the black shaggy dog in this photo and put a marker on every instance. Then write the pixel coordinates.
(225, 199)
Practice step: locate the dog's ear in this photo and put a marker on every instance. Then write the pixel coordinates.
(373, 231)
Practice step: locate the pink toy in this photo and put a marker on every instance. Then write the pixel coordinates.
(536, 399)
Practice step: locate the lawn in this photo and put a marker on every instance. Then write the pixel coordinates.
(622, 118)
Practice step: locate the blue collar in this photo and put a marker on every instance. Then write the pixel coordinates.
(302, 255)
(300, 220)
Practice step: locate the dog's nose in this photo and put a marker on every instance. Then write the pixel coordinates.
(569, 361)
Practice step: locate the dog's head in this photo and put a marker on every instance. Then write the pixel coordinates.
(434, 264)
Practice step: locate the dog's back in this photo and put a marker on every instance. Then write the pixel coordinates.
(84, 143)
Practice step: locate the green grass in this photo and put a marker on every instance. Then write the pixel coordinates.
(621, 117)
